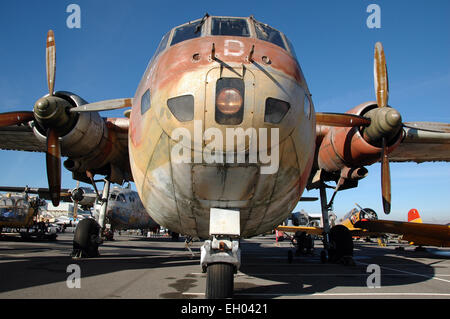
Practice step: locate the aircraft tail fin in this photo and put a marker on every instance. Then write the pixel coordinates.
(414, 216)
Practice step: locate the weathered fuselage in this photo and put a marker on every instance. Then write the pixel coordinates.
(179, 194)
(125, 210)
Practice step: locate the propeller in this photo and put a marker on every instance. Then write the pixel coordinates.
(50, 55)
(341, 119)
(15, 118)
(382, 94)
(53, 152)
(51, 114)
(53, 161)
(379, 125)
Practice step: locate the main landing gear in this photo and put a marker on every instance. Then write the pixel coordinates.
(337, 241)
(221, 255)
(88, 233)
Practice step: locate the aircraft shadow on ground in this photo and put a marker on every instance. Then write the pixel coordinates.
(18, 271)
(306, 275)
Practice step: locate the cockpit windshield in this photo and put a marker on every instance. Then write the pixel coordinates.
(186, 32)
(266, 33)
(225, 26)
(230, 26)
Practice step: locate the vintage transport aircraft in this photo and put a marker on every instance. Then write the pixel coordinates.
(217, 75)
(124, 209)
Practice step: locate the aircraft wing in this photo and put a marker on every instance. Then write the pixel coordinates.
(359, 232)
(43, 193)
(407, 229)
(20, 138)
(96, 144)
(306, 229)
(430, 142)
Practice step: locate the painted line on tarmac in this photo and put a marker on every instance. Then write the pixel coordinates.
(411, 273)
(257, 275)
(343, 294)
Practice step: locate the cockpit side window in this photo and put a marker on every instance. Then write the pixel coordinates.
(230, 26)
(162, 45)
(145, 102)
(186, 32)
(266, 33)
(291, 47)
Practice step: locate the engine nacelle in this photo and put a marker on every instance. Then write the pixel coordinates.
(84, 196)
(90, 142)
(346, 147)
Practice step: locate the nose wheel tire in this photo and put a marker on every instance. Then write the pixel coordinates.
(219, 281)
(86, 239)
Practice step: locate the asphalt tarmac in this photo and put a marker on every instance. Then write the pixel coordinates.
(159, 268)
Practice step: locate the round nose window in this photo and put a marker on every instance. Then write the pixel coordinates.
(229, 101)
(230, 93)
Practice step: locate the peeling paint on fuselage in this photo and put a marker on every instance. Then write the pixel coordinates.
(179, 195)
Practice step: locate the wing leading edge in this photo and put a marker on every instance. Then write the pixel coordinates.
(422, 144)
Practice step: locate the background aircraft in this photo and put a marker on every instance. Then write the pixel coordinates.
(364, 222)
(342, 233)
(20, 211)
(125, 211)
(114, 160)
(413, 231)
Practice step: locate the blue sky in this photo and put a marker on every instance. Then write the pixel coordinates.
(107, 56)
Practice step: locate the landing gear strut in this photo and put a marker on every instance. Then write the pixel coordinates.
(337, 241)
(221, 256)
(88, 233)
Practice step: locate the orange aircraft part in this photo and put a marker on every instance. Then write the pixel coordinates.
(345, 147)
(414, 216)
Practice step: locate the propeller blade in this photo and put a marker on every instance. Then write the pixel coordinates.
(53, 161)
(341, 119)
(75, 205)
(50, 54)
(385, 179)
(15, 118)
(106, 105)
(380, 76)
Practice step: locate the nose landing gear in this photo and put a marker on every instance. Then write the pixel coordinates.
(221, 256)
(86, 239)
